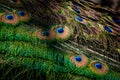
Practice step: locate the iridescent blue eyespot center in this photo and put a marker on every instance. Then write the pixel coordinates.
(60, 30)
(78, 58)
(9, 17)
(116, 20)
(98, 65)
(108, 29)
(21, 13)
(79, 18)
(45, 33)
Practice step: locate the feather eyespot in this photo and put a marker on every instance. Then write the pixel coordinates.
(46, 35)
(23, 15)
(108, 29)
(61, 32)
(99, 67)
(10, 18)
(116, 20)
(79, 60)
(112, 31)
(78, 18)
(81, 20)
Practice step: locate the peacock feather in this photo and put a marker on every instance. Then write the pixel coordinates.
(59, 40)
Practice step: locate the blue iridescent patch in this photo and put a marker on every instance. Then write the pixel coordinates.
(116, 20)
(98, 65)
(60, 30)
(79, 18)
(9, 17)
(78, 58)
(21, 13)
(107, 29)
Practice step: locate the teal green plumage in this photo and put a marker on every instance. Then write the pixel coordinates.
(65, 40)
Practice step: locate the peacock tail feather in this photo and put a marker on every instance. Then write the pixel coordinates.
(59, 40)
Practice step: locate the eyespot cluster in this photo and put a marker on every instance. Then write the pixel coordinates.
(97, 67)
(57, 32)
(15, 17)
(92, 27)
(89, 29)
